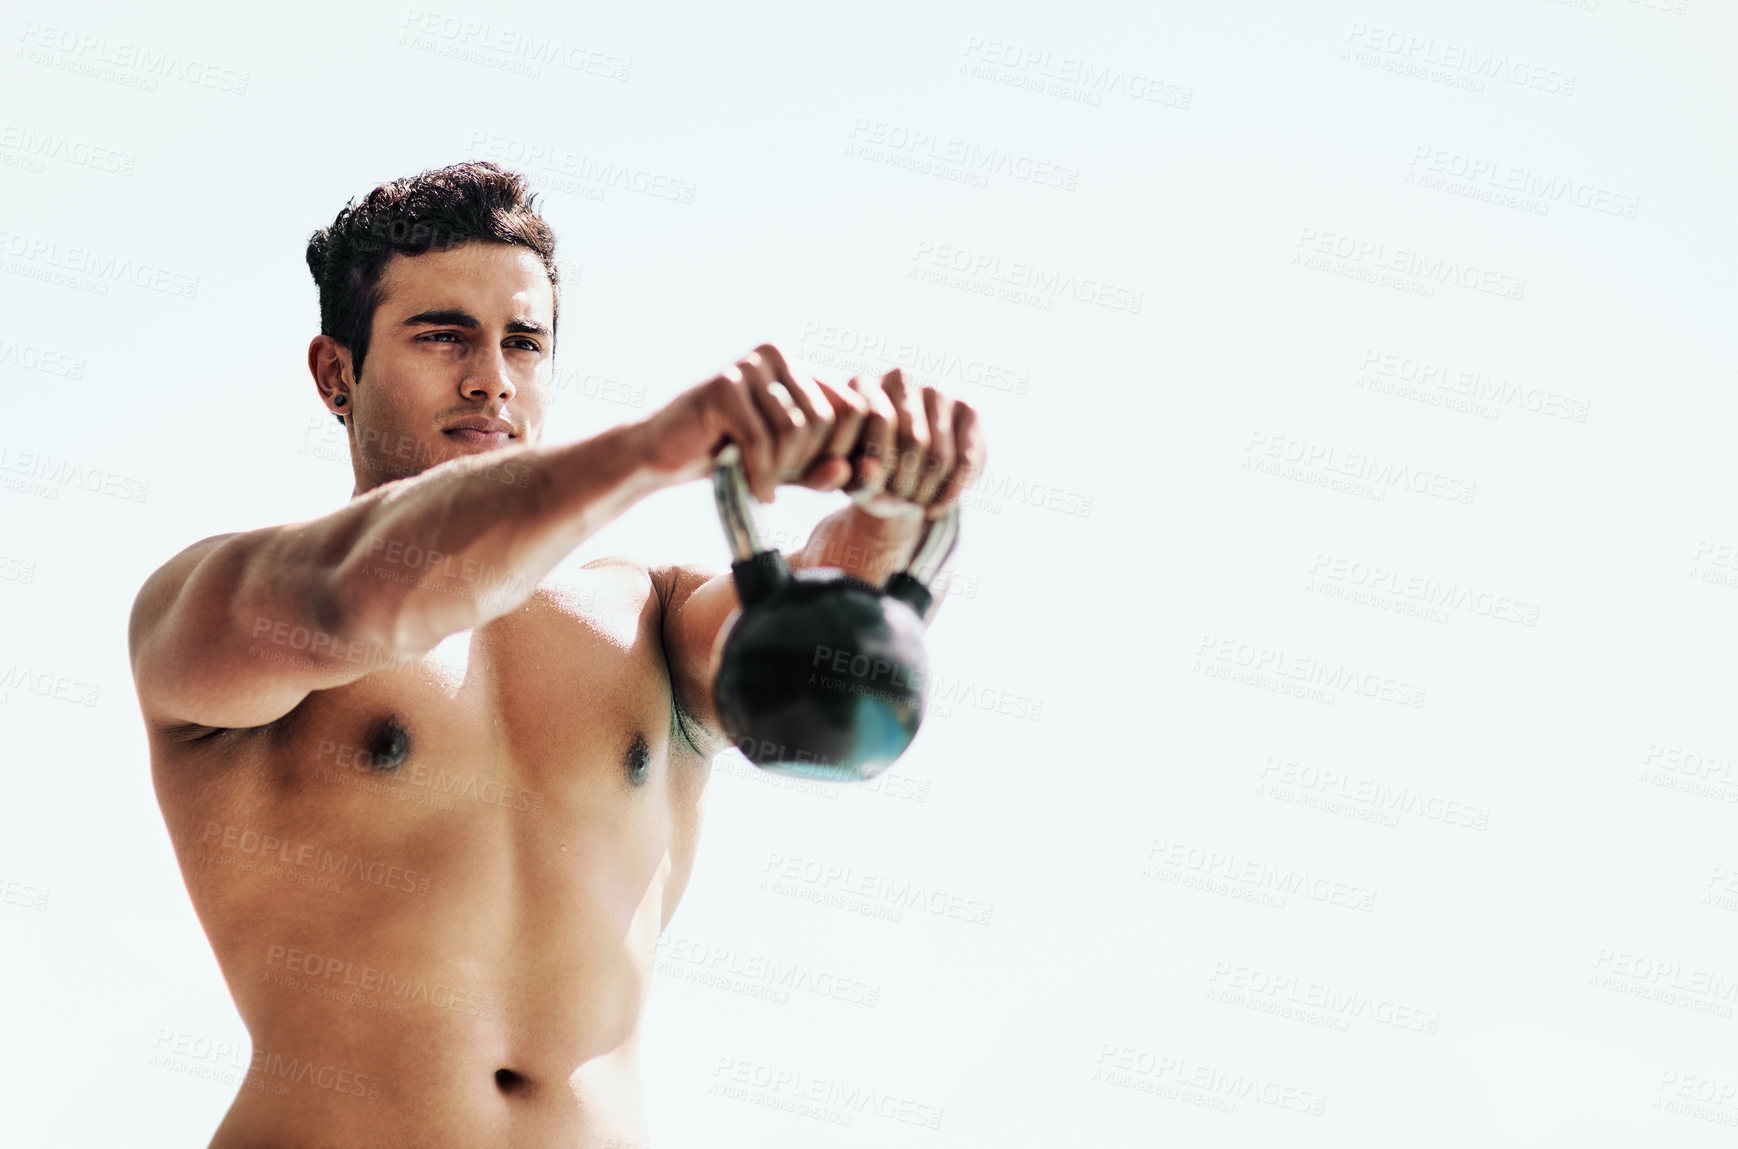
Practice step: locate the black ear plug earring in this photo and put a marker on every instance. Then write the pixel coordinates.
(340, 400)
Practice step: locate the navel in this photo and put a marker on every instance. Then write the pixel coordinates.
(388, 745)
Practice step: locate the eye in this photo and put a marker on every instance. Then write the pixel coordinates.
(435, 336)
(529, 345)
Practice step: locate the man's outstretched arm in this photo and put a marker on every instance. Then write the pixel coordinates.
(238, 629)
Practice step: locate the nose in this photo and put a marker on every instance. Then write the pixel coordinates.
(488, 378)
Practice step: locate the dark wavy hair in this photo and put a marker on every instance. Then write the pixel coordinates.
(436, 210)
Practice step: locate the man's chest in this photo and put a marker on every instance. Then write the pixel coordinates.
(565, 703)
(530, 762)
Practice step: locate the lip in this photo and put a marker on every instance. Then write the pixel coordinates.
(479, 431)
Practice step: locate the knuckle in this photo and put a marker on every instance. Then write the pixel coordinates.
(750, 421)
(777, 360)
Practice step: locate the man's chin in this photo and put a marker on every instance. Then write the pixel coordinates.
(414, 459)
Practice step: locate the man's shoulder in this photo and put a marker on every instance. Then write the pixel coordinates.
(611, 577)
(616, 587)
(184, 560)
(160, 588)
(624, 597)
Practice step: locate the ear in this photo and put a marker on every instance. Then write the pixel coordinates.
(329, 363)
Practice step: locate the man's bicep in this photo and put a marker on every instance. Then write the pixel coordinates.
(697, 601)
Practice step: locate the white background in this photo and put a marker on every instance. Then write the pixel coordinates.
(1188, 505)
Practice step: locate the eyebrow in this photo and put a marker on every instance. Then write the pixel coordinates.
(457, 317)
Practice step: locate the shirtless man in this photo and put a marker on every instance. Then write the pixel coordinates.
(432, 810)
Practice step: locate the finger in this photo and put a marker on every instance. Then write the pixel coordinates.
(785, 419)
(809, 396)
(849, 411)
(970, 457)
(938, 461)
(746, 427)
(872, 454)
(832, 466)
(827, 473)
(804, 389)
(912, 439)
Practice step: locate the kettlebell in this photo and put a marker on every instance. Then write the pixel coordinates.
(820, 674)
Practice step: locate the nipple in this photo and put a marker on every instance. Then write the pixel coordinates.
(389, 745)
(639, 760)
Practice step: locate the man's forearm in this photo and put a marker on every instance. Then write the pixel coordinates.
(467, 541)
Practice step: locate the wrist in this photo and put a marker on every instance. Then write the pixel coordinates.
(863, 544)
(591, 481)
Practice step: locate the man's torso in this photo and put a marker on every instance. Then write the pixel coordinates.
(436, 892)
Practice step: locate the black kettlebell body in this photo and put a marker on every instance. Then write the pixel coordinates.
(820, 674)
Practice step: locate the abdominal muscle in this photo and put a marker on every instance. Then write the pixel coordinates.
(431, 1082)
(482, 1029)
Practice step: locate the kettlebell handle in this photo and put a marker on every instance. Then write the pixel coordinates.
(760, 571)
